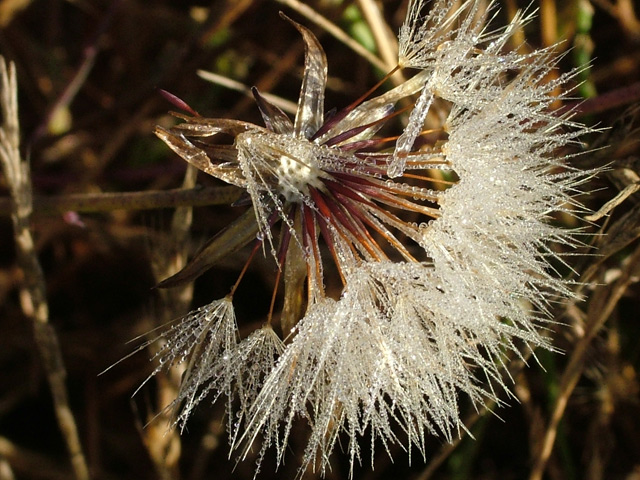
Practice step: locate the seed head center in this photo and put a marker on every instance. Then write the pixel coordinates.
(295, 176)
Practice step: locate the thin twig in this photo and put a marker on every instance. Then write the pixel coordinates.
(515, 368)
(386, 40)
(33, 293)
(86, 65)
(334, 31)
(614, 202)
(618, 97)
(602, 304)
(548, 22)
(149, 200)
(27, 463)
(160, 437)
(286, 105)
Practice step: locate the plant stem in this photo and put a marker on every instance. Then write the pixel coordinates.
(148, 200)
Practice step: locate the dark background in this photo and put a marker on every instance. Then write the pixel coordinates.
(99, 268)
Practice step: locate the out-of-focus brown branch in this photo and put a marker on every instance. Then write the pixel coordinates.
(33, 292)
(619, 97)
(602, 304)
(385, 38)
(29, 464)
(80, 77)
(160, 437)
(514, 369)
(624, 12)
(149, 200)
(10, 8)
(334, 31)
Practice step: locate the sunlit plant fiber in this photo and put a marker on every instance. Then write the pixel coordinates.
(441, 275)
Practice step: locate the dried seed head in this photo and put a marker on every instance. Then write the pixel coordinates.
(284, 165)
(439, 237)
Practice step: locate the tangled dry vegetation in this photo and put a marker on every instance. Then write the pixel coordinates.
(114, 212)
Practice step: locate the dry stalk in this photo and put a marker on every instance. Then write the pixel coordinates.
(334, 31)
(386, 40)
(148, 200)
(159, 437)
(33, 291)
(602, 305)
